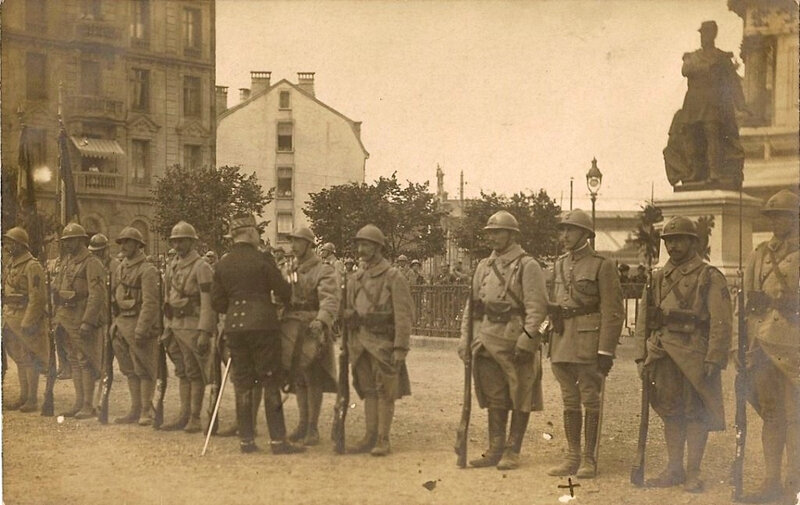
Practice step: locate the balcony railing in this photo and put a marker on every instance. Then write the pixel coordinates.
(96, 106)
(96, 31)
(98, 183)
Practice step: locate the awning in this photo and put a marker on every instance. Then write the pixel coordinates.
(97, 148)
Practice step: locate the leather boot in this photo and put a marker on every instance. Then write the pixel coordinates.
(675, 436)
(134, 387)
(196, 402)
(301, 394)
(273, 407)
(77, 384)
(516, 435)
(87, 412)
(773, 438)
(148, 388)
(23, 390)
(184, 392)
(258, 392)
(314, 406)
(371, 427)
(591, 427)
(696, 438)
(498, 418)
(244, 419)
(31, 404)
(792, 483)
(385, 415)
(572, 431)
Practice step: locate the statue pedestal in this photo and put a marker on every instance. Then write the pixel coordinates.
(723, 205)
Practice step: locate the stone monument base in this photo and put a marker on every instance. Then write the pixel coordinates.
(723, 205)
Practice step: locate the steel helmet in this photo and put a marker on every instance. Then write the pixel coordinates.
(329, 247)
(579, 219)
(782, 201)
(172, 252)
(303, 233)
(402, 257)
(679, 225)
(129, 232)
(349, 261)
(415, 262)
(372, 233)
(502, 220)
(98, 242)
(73, 230)
(183, 230)
(18, 235)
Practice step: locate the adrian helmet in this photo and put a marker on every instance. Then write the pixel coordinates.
(372, 233)
(579, 219)
(129, 232)
(18, 235)
(502, 220)
(98, 242)
(782, 201)
(303, 233)
(679, 225)
(329, 247)
(73, 230)
(182, 229)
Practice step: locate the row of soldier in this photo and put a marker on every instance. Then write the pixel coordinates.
(680, 354)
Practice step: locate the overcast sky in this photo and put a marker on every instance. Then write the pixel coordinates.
(518, 95)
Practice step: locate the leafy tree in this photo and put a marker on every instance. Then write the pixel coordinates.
(537, 214)
(409, 216)
(646, 237)
(207, 198)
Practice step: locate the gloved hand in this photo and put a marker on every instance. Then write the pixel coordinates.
(399, 357)
(710, 369)
(604, 363)
(85, 330)
(317, 329)
(203, 342)
(522, 356)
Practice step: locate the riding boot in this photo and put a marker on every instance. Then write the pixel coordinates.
(196, 402)
(148, 388)
(314, 406)
(696, 438)
(88, 380)
(371, 425)
(591, 426)
(299, 433)
(23, 390)
(572, 430)
(244, 419)
(385, 415)
(77, 383)
(134, 387)
(276, 425)
(498, 419)
(516, 435)
(185, 393)
(31, 404)
(675, 436)
(773, 438)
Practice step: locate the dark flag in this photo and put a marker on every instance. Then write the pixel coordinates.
(71, 212)
(26, 194)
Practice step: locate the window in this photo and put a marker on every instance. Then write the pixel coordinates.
(140, 23)
(91, 9)
(90, 78)
(285, 137)
(140, 88)
(35, 15)
(37, 146)
(285, 102)
(192, 156)
(140, 161)
(285, 225)
(191, 29)
(284, 187)
(191, 96)
(35, 76)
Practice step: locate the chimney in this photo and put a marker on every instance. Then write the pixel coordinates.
(305, 81)
(221, 99)
(259, 80)
(244, 94)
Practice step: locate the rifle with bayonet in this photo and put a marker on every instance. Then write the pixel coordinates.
(161, 373)
(107, 368)
(47, 405)
(343, 386)
(637, 472)
(740, 383)
(462, 434)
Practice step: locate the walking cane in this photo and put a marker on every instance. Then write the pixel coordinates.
(216, 405)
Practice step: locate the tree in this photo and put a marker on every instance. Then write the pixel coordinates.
(409, 216)
(646, 237)
(537, 214)
(207, 198)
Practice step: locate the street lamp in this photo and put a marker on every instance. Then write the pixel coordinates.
(594, 178)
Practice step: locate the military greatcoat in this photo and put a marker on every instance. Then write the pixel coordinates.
(24, 310)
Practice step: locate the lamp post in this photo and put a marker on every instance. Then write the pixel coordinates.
(594, 178)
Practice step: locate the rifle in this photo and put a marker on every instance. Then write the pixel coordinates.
(637, 472)
(343, 386)
(740, 383)
(108, 360)
(462, 434)
(161, 374)
(216, 387)
(47, 405)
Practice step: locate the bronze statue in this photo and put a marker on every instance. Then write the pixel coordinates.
(703, 150)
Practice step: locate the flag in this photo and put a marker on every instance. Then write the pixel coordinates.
(70, 203)
(27, 216)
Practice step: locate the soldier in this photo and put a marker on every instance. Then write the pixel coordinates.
(689, 340)
(54, 266)
(416, 276)
(306, 327)
(98, 245)
(773, 355)
(509, 302)
(380, 310)
(79, 296)
(189, 325)
(350, 265)
(135, 286)
(401, 263)
(241, 290)
(24, 317)
(587, 314)
(328, 254)
(211, 258)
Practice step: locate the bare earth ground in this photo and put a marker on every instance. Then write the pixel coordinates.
(83, 462)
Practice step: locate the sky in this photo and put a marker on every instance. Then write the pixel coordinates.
(519, 95)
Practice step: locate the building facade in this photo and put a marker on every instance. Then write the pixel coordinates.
(134, 82)
(292, 141)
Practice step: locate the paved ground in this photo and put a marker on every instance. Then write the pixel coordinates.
(82, 462)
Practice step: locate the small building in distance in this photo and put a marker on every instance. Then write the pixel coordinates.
(292, 141)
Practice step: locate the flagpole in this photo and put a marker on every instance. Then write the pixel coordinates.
(57, 212)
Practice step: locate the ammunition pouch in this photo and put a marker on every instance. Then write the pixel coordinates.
(500, 311)
(570, 312)
(379, 323)
(478, 310)
(184, 307)
(127, 307)
(67, 299)
(683, 321)
(556, 318)
(758, 303)
(16, 300)
(655, 318)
